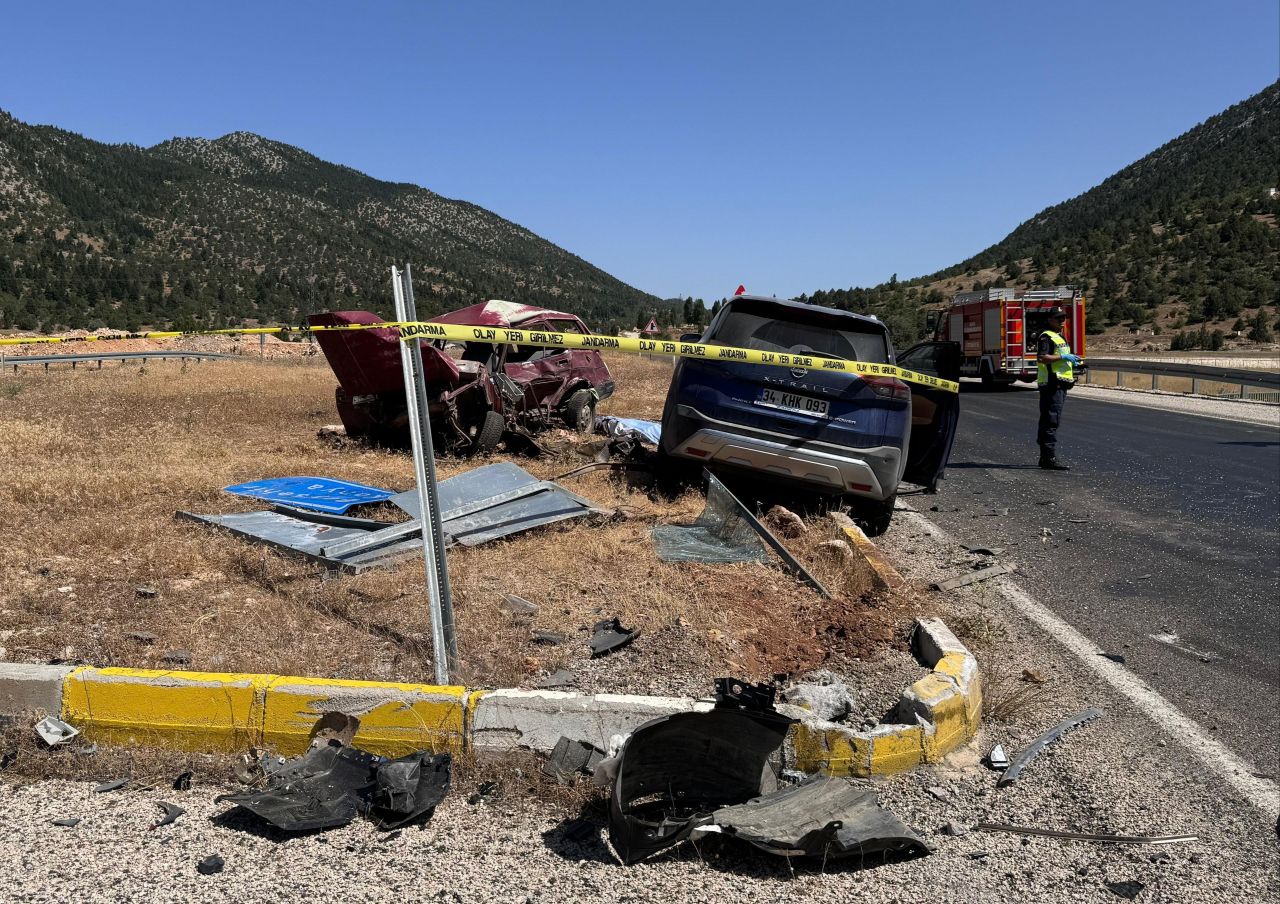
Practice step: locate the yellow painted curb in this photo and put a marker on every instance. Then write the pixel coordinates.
(395, 719)
(226, 712)
(883, 572)
(938, 713)
(213, 711)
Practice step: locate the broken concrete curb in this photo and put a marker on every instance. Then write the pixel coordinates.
(885, 576)
(228, 712)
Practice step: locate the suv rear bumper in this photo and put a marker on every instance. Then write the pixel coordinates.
(871, 472)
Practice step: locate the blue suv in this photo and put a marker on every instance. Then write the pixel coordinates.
(837, 433)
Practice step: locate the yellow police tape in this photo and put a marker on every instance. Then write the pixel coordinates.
(502, 336)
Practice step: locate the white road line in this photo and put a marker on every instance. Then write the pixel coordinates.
(1262, 793)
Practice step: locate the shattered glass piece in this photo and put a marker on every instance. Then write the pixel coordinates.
(560, 678)
(824, 817)
(324, 788)
(720, 535)
(410, 788)
(69, 822)
(210, 865)
(1127, 889)
(54, 731)
(609, 635)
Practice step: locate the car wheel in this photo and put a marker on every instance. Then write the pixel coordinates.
(580, 411)
(874, 515)
(490, 433)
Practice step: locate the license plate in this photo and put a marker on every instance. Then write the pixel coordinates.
(790, 401)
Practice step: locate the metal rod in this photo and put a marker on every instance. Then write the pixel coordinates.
(422, 452)
(433, 492)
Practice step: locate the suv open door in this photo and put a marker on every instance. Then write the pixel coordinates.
(934, 412)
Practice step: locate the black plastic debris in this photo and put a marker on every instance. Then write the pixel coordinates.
(409, 789)
(171, 813)
(8, 758)
(115, 785)
(1117, 658)
(1128, 889)
(561, 678)
(1034, 749)
(486, 790)
(183, 781)
(210, 865)
(570, 757)
(714, 772)
(609, 635)
(548, 638)
(331, 784)
(69, 822)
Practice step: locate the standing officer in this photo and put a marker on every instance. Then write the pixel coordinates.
(1055, 374)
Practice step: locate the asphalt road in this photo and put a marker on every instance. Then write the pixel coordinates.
(1168, 524)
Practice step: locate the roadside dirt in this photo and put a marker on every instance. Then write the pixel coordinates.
(97, 569)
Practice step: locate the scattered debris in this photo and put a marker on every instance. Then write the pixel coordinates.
(1127, 889)
(321, 494)
(518, 605)
(972, 577)
(183, 781)
(248, 769)
(8, 758)
(85, 750)
(1085, 836)
(1034, 749)
(985, 550)
(828, 698)
(785, 523)
(114, 785)
(997, 759)
(561, 678)
(710, 772)
(210, 865)
(939, 793)
(549, 638)
(482, 793)
(570, 757)
(146, 593)
(69, 822)
(146, 638)
(1117, 658)
(1033, 676)
(1173, 640)
(171, 813)
(978, 855)
(176, 657)
(54, 731)
(609, 635)
(331, 784)
(630, 427)
(955, 829)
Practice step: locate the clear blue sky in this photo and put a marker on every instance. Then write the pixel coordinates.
(684, 147)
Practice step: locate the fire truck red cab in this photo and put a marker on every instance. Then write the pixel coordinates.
(998, 329)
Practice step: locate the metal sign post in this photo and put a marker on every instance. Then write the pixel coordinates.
(444, 644)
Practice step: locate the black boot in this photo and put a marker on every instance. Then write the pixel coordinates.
(1052, 464)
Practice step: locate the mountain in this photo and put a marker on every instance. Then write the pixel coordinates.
(210, 233)
(1186, 235)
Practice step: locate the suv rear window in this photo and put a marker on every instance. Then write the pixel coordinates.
(770, 334)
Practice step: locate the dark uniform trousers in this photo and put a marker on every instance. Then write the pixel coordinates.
(1052, 395)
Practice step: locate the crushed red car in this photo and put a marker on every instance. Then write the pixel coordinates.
(477, 391)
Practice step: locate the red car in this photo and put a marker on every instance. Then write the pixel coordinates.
(477, 391)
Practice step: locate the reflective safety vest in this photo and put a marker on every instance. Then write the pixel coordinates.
(1062, 369)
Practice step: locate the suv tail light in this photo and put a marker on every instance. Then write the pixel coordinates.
(889, 388)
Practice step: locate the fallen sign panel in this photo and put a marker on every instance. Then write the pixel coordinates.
(323, 494)
(477, 506)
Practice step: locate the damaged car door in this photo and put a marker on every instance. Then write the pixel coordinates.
(934, 412)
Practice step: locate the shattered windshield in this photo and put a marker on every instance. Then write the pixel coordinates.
(768, 334)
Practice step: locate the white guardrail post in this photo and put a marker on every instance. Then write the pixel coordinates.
(444, 644)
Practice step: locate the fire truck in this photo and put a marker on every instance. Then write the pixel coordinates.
(998, 329)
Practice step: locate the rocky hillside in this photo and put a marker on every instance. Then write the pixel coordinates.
(1184, 239)
(194, 232)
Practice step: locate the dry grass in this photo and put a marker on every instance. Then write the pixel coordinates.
(96, 463)
(1008, 697)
